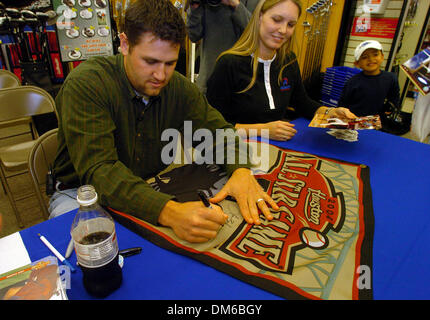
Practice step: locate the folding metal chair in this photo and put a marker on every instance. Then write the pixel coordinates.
(16, 103)
(40, 162)
(8, 79)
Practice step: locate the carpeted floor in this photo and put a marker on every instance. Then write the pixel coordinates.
(28, 207)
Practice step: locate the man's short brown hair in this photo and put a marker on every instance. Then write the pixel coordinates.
(159, 17)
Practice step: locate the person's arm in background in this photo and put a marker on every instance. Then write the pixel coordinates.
(241, 15)
(195, 20)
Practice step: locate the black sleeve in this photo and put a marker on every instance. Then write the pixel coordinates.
(394, 93)
(300, 101)
(343, 100)
(220, 86)
(195, 21)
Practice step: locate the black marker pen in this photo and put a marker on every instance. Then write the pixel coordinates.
(204, 199)
(130, 251)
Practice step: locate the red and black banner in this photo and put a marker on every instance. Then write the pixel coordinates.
(317, 246)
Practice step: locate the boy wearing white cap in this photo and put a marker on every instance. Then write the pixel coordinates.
(373, 90)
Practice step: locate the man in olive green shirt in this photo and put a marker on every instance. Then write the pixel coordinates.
(112, 112)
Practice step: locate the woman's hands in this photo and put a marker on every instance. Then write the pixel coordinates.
(280, 130)
(249, 196)
(276, 130)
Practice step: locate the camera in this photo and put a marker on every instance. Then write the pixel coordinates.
(213, 3)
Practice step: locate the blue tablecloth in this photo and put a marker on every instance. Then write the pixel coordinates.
(400, 182)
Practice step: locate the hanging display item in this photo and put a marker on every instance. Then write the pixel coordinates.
(375, 6)
(83, 29)
(316, 37)
(365, 26)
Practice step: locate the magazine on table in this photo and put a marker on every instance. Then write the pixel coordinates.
(39, 280)
(360, 123)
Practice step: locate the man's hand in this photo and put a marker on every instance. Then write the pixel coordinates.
(248, 194)
(192, 221)
(194, 4)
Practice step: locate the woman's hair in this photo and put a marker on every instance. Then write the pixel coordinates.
(159, 17)
(249, 42)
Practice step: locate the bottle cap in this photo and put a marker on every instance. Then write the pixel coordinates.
(87, 195)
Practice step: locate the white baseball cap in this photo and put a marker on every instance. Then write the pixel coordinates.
(364, 46)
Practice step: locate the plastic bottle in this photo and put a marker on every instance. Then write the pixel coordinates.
(96, 246)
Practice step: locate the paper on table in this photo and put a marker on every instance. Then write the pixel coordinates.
(13, 253)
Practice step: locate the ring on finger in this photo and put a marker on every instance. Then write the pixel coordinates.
(261, 199)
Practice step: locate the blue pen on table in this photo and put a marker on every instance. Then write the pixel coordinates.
(55, 252)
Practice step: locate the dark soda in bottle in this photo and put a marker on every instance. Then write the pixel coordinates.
(96, 245)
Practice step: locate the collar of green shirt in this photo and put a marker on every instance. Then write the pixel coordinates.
(133, 93)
